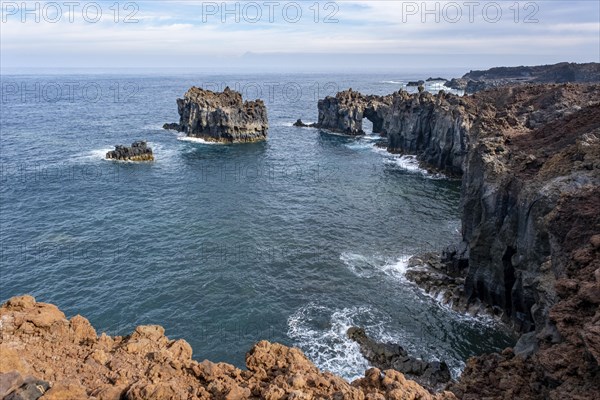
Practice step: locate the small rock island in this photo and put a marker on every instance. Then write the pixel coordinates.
(139, 151)
(221, 117)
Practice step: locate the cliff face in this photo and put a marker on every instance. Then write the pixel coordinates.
(221, 117)
(531, 145)
(69, 357)
(531, 225)
(432, 126)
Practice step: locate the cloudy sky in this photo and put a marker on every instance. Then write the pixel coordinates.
(297, 34)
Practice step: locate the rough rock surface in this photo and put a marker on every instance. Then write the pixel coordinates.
(432, 126)
(221, 117)
(139, 151)
(433, 375)
(476, 81)
(531, 240)
(36, 340)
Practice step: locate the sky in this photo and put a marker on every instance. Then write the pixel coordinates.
(296, 35)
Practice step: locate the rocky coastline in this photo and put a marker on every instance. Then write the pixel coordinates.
(46, 356)
(221, 117)
(529, 159)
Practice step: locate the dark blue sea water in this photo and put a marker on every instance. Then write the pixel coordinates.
(292, 240)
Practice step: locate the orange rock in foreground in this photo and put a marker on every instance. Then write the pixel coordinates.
(36, 340)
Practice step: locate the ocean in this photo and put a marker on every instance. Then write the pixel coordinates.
(292, 240)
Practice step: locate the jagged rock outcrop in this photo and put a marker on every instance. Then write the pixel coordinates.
(432, 126)
(221, 117)
(36, 340)
(476, 81)
(433, 375)
(139, 151)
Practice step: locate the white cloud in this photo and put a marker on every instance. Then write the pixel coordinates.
(179, 34)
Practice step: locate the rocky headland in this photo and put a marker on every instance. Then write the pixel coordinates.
(476, 81)
(47, 356)
(221, 117)
(139, 151)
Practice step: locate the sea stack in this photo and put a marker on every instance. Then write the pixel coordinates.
(221, 117)
(139, 151)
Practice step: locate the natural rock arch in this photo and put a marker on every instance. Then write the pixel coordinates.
(434, 127)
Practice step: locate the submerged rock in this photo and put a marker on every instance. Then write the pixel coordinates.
(301, 124)
(221, 117)
(172, 127)
(139, 151)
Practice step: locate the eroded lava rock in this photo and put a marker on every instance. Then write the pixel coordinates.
(434, 127)
(221, 117)
(139, 151)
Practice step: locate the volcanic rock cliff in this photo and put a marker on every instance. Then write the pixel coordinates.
(432, 126)
(44, 355)
(529, 156)
(531, 235)
(221, 117)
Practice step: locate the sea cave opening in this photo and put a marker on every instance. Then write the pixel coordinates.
(367, 126)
